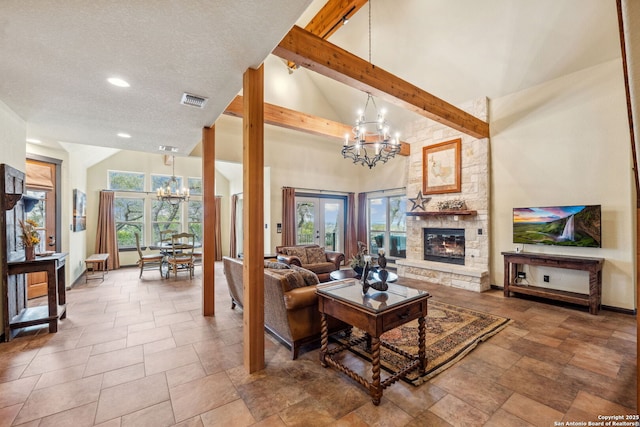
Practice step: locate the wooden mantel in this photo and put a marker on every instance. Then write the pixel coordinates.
(443, 213)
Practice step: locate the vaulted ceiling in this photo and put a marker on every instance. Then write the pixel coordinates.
(56, 57)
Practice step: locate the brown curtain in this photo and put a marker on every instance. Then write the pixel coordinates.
(217, 230)
(232, 238)
(351, 243)
(106, 241)
(288, 216)
(362, 218)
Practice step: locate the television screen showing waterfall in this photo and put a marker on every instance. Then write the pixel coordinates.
(558, 225)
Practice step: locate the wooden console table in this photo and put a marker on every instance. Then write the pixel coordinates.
(592, 300)
(18, 315)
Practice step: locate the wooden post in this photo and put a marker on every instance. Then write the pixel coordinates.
(253, 218)
(209, 219)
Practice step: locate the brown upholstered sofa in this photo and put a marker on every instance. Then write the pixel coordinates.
(290, 302)
(311, 257)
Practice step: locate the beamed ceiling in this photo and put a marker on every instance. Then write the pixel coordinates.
(57, 56)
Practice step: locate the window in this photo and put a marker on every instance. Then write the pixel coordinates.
(125, 181)
(164, 181)
(387, 225)
(38, 214)
(195, 186)
(195, 218)
(164, 216)
(129, 216)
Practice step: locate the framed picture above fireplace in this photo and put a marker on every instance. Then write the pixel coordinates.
(441, 168)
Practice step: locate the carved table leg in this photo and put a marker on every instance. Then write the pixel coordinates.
(324, 338)
(422, 352)
(376, 391)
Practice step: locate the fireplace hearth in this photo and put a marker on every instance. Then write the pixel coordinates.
(444, 245)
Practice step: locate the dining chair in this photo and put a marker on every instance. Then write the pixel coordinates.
(148, 261)
(181, 256)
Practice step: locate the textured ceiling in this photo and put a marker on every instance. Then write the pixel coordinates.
(57, 55)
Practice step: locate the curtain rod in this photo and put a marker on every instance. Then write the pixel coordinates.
(320, 191)
(386, 189)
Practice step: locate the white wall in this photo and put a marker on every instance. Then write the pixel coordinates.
(13, 132)
(566, 142)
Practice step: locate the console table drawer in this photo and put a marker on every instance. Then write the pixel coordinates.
(403, 315)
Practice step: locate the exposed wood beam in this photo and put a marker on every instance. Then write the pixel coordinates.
(330, 18)
(307, 123)
(209, 220)
(253, 219)
(323, 57)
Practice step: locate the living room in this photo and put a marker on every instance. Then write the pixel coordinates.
(563, 141)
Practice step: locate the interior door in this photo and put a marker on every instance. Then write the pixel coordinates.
(41, 185)
(320, 221)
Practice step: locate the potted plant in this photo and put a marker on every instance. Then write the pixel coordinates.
(30, 237)
(358, 261)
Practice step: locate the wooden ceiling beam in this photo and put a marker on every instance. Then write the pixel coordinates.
(307, 123)
(312, 52)
(330, 18)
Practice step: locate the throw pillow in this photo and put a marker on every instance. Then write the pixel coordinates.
(290, 279)
(299, 252)
(276, 265)
(315, 255)
(310, 278)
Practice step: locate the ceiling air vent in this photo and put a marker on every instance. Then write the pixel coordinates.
(193, 100)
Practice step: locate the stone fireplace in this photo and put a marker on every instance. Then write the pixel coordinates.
(444, 245)
(469, 268)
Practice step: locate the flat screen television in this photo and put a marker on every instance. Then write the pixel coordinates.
(558, 225)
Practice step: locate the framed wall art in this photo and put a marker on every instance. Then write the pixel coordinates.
(79, 210)
(441, 167)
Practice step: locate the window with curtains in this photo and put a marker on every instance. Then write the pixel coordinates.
(387, 225)
(139, 211)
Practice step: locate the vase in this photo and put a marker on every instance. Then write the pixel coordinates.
(29, 253)
(358, 271)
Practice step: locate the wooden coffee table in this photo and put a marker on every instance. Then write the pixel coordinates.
(374, 313)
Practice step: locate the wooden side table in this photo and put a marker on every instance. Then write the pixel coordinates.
(374, 313)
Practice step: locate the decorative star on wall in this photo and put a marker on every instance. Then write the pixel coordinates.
(419, 201)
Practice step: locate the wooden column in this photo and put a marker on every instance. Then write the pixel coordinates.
(253, 218)
(209, 219)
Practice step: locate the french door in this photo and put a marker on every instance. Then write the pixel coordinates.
(320, 221)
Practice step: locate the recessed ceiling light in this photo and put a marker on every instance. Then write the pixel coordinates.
(34, 141)
(118, 82)
(124, 135)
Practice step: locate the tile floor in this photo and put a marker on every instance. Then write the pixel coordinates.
(139, 353)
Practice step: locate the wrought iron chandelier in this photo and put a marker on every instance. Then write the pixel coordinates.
(371, 142)
(172, 193)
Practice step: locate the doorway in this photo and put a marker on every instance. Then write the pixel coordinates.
(42, 186)
(320, 221)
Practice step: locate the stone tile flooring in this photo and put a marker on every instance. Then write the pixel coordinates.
(139, 353)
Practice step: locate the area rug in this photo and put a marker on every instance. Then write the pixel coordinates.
(452, 332)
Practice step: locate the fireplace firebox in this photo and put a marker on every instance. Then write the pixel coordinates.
(444, 245)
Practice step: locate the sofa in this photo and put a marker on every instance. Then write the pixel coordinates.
(290, 302)
(311, 257)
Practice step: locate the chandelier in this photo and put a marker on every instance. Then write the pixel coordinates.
(172, 193)
(371, 142)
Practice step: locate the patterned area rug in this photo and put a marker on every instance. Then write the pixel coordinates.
(452, 332)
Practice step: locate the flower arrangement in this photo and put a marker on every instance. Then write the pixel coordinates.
(451, 205)
(29, 236)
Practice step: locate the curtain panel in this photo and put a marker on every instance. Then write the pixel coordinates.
(351, 242)
(217, 229)
(362, 218)
(106, 238)
(288, 216)
(233, 248)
